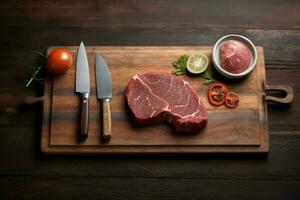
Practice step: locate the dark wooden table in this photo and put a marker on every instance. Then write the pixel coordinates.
(26, 26)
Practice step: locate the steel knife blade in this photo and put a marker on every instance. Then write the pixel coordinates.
(82, 87)
(104, 93)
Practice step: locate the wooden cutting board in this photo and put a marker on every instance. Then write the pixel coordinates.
(243, 129)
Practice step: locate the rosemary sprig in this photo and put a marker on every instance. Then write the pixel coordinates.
(35, 71)
(34, 74)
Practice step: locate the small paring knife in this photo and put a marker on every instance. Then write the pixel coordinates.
(104, 93)
(82, 87)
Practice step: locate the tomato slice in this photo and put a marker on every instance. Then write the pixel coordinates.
(231, 100)
(217, 93)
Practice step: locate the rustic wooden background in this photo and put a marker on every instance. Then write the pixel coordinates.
(26, 26)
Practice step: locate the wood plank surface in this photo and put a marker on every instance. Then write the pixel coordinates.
(60, 187)
(155, 14)
(34, 25)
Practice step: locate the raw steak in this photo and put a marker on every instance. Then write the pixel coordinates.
(154, 97)
(235, 56)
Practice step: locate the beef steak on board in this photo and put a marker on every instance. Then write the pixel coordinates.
(154, 97)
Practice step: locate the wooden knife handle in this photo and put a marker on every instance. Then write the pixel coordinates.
(106, 120)
(84, 117)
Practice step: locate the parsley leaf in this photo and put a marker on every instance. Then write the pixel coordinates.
(180, 65)
(208, 78)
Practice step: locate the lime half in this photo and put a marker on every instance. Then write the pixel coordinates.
(197, 63)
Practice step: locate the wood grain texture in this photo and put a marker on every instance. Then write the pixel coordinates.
(20, 45)
(34, 25)
(280, 88)
(134, 188)
(222, 133)
(106, 121)
(155, 14)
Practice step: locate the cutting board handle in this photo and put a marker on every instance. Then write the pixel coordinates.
(33, 100)
(281, 88)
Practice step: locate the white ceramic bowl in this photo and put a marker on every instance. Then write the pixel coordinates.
(216, 56)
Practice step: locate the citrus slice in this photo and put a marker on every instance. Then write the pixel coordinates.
(197, 63)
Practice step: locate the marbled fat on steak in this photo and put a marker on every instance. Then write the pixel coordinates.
(154, 97)
(235, 56)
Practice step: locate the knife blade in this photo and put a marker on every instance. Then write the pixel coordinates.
(104, 93)
(82, 87)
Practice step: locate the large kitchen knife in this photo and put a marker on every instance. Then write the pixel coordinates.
(83, 88)
(104, 93)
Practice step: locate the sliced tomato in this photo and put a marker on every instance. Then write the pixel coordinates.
(231, 100)
(217, 93)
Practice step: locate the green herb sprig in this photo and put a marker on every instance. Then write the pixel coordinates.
(208, 78)
(35, 70)
(180, 69)
(180, 65)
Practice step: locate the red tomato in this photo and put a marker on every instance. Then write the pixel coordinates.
(231, 100)
(59, 61)
(216, 94)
